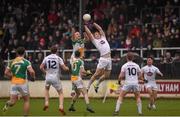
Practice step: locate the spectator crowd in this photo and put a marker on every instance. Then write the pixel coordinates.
(131, 24)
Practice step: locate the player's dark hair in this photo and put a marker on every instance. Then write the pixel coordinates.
(54, 49)
(77, 54)
(130, 56)
(20, 51)
(150, 57)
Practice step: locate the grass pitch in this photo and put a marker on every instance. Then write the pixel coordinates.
(165, 107)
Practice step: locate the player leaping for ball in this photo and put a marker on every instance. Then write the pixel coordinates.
(149, 73)
(104, 66)
(78, 45)
(76, 78)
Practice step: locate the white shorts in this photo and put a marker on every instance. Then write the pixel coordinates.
(54, 82)
(105, 63)
(22, 89)
(153, 86)
(78, 84)
(130, 88)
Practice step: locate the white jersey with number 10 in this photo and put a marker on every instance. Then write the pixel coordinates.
(131, 71)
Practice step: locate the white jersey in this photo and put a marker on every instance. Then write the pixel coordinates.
(52, 63)
(131, 71)
(102, 45)
(150, 73)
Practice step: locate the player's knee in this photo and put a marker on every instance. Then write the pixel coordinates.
(151, 94)
(150, 91)
(60, 92)
(138, 100)
(26, 98)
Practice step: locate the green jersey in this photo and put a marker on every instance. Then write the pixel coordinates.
(78, 44)
(76, 66)
(19, 67)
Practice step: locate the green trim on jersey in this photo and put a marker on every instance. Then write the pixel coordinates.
(19, 67)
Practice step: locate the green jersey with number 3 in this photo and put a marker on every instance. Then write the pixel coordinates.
(76, 66)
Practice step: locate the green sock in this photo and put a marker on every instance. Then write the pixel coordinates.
(88, 105)
(72, 103)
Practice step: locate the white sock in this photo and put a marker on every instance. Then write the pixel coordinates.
(154, 106)
(118, 105)
(149, 105)
(139, 105)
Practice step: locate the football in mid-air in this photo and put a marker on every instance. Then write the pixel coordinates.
(86, 17)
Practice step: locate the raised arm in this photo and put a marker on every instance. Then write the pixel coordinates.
(72, 33)
(88, 32)
(99, 29)
(86, 36)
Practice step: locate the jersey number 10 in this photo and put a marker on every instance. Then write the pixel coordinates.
(132, 71)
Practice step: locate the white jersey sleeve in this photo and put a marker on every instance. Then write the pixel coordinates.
(44, 60)
(60, 61)
(158, 71)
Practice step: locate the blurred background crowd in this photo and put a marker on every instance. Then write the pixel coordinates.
(131, 24)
